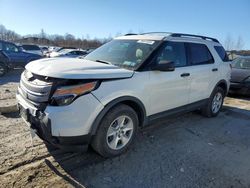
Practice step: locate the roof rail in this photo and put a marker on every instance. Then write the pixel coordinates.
(196, 36)
(128, 34)
(164, 34)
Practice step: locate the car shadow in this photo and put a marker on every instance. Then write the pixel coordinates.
(75, 164)
(239, 96)
(159, 154)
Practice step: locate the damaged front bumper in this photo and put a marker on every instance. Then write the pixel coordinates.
(41, 124)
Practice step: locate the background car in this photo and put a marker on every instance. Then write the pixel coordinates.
(44, 49)
(31, 48)
(240, 77)
(17, 57)
(4, 63)
(56, 51)
(69, 53)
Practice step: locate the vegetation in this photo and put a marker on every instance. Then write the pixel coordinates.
(67, 40)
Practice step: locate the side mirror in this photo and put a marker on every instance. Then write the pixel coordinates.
(164, 66)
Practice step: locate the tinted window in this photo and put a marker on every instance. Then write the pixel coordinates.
(173, 51)
(1, 45)
(81, 53)
(72, 53)
(199, 54)
(222, 53)
(30, 47)
(11, 47)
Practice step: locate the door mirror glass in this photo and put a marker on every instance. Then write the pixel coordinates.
(164, 66)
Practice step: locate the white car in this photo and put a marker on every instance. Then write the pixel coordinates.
(69, 53)
(32, 49)
(103, 99)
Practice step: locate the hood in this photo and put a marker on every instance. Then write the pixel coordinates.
(72, 68)
(238, 75)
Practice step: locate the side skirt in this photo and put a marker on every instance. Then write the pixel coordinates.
(176, 111)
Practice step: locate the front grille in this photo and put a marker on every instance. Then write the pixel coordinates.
(34, 89)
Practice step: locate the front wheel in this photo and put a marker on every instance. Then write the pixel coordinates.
(3, 69)
(116, 131)
(215, 103)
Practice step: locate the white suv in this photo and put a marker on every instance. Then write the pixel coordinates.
(104, 98)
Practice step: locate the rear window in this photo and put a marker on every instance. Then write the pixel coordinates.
(222, 53)
(199, 54)
(30, 47)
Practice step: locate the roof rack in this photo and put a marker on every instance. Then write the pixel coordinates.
(196, 36)
(182, 35)
(157, 33)
(128, 34)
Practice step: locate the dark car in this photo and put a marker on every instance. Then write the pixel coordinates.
(240, 77)
(4, 63)
(17, 57)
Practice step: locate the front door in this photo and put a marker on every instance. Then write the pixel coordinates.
(169, 90)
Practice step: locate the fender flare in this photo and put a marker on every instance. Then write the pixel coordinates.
(113, 103)
(219, 83)
(223, 82)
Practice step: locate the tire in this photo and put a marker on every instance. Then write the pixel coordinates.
(117, 123)
(3, 69)
(215, 103)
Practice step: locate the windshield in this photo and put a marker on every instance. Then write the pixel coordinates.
(241, 63)
(124, 53)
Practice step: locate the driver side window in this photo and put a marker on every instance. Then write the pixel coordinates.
(173, 52)
(11, 47)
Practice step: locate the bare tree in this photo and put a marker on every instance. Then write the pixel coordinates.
(68, 40)
(239, 44)
(229, 43)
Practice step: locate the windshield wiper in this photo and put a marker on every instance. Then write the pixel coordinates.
(101, 61)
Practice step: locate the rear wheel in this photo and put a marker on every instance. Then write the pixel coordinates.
(3, 69)
(116, 131)
(215, 103)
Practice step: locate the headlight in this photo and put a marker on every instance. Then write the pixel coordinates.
(66, 95)
(247, 80)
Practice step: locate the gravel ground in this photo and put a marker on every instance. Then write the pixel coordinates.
(187, 151)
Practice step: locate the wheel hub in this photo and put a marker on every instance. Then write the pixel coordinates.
(120, 132)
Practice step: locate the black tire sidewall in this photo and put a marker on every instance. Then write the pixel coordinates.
(4, 68)
(218, 89)
(115, 112)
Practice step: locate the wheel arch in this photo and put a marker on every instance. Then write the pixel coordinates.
(223, 84)
(131, 101)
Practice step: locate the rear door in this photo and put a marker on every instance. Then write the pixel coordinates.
(169, 90)
(203, 71)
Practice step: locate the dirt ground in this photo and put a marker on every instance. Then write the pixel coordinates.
(184, 151)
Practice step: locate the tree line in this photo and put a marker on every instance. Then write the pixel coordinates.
(67, 40)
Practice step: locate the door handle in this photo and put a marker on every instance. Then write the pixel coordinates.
(215, 69)
(185, 74)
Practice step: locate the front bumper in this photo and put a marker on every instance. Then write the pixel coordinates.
(66, 127)
(239, 88)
